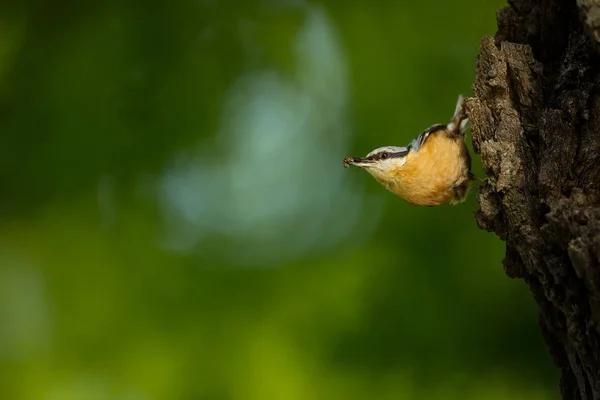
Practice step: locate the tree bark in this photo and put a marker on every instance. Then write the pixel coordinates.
(535, 120)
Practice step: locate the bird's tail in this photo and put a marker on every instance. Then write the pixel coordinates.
(459, 121)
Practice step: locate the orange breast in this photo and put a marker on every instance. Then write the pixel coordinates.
(429, 176)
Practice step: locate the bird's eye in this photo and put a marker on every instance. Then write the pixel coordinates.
(384, 156)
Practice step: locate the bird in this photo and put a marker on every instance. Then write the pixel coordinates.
(434, 169)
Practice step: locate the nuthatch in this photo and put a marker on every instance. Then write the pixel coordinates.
(433, 169)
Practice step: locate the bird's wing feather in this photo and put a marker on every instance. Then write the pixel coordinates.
(417, 142)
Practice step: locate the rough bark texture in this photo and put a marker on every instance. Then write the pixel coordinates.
(590, 14)
(535, 119)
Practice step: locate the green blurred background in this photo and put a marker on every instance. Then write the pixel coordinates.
(175, 221)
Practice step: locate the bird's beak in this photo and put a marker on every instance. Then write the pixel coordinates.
(357, 162)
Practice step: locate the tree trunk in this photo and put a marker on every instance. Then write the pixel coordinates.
(535, 120)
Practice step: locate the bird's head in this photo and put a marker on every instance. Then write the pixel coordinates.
(383, 162)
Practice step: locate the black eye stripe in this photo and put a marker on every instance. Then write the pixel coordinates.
(399, 154)
(385, 153)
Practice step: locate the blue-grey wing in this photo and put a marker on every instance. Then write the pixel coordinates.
(417, 142)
